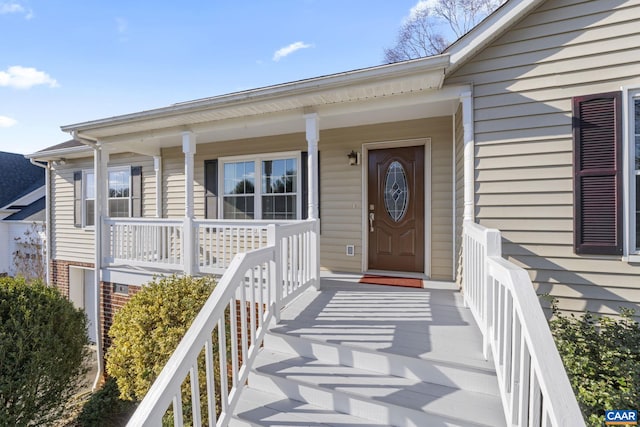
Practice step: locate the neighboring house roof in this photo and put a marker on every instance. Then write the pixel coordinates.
(65, 150)
(33, 212)
(63, 145)
(18, 177)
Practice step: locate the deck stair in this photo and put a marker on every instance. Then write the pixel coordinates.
(366, 355)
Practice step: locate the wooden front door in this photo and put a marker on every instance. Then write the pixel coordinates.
(396, 209)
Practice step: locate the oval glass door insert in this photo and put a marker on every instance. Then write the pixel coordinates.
(396, 195)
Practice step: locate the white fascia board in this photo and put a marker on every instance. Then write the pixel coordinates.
(290, 89)
(492, 27)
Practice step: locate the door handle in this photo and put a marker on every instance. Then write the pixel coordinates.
(372, 216)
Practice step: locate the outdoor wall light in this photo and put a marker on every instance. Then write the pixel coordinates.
(354, 158)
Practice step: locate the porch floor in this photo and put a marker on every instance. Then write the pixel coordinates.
(384, 355)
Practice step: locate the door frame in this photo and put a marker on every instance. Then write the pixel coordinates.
(77, 277)
(426, 142)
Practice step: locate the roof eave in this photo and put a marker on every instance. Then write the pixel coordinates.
(273, 92)
(63, 153)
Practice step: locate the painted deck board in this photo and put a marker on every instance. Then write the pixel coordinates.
(383, 355)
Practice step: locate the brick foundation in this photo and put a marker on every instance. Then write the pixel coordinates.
(111, 303)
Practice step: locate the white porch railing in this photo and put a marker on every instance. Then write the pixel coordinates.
(250, 293)
(161, 243)
(217, 242)
(149, 242)
(533, 383)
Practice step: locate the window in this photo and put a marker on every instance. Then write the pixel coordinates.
(124, 191)
(279, 189)
(119, 192)
(265, 187)
(239, 188)
(89, 199)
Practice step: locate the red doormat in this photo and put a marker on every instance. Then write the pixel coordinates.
(391, 281)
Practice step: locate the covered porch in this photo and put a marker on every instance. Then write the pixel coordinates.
(183, 220)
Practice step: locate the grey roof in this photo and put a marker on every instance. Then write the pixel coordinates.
(33, 212)
(18, 177)
(67, 144)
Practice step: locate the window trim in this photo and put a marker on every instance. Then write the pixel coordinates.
(630, 251)
(258, 159)
(85, 172)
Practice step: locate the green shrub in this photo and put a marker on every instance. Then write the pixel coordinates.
(148, 329)
(602, 358)
(105, 408)
(42, 350)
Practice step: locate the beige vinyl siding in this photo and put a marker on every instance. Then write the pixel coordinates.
(67, 241)
(340, 184)
(75, 243)
(523, 86)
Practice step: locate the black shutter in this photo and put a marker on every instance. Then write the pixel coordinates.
(77, 199)
(211, 189)
(597, 170)
(305, 184)
(136, 191)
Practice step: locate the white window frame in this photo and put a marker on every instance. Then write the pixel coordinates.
(630, 251)
(129, 198)
(85, 172)
(257, 195)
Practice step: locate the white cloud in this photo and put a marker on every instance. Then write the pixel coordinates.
(19, 77)
(420, 7)
(288, 50)
(11, 7)
(7, 122)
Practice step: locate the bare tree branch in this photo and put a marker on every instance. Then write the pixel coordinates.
(422, 34)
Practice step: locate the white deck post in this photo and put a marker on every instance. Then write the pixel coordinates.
(188, 249)
(276, 269)
(312, 126)
(469, 155)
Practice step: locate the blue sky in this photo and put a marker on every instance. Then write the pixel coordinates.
(65, 62)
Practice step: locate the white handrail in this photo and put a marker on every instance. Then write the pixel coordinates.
(244, 299)
(534, 385)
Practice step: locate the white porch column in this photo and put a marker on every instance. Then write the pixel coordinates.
(313, 136)
(312, 127)
(469, 155)
(189, 150)
(157, 166)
